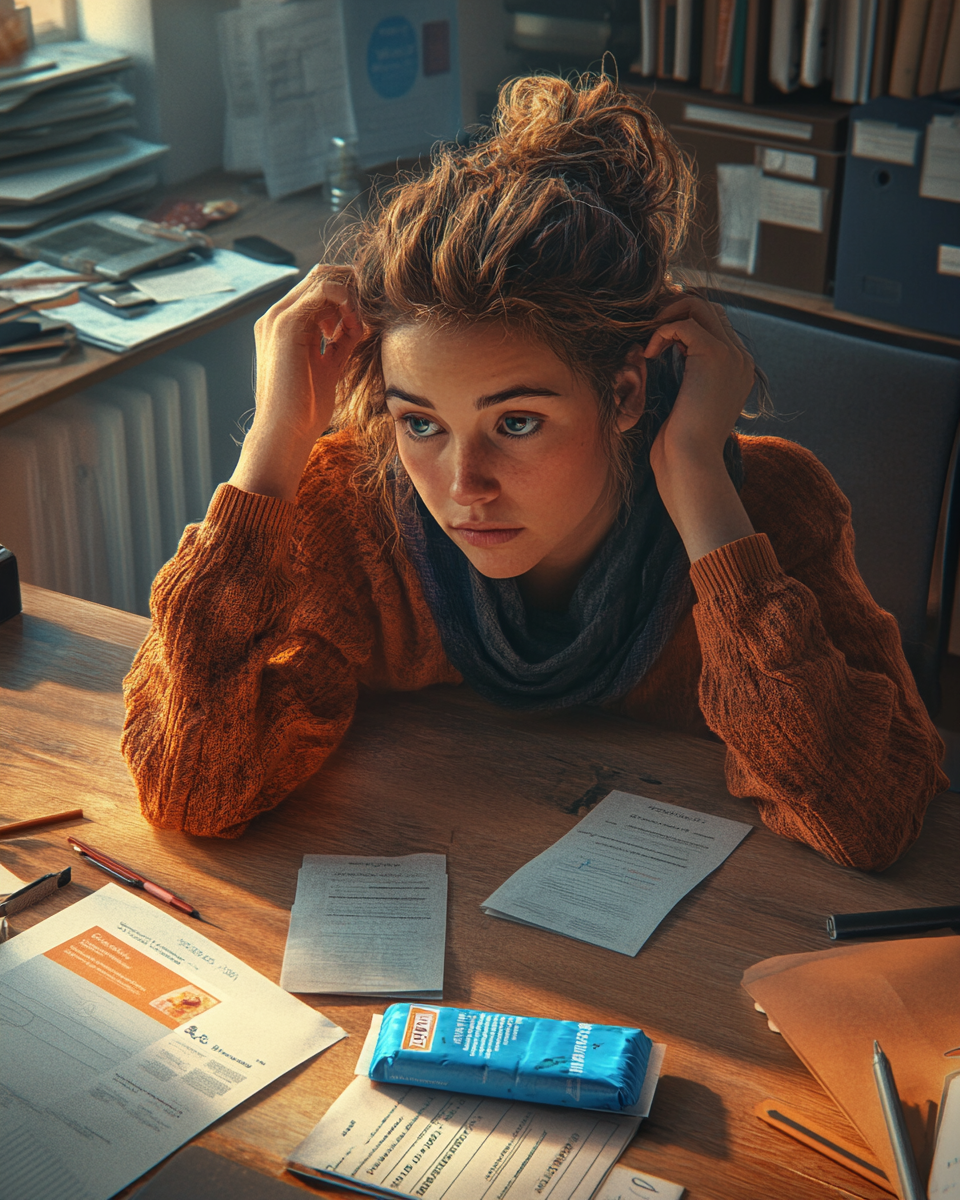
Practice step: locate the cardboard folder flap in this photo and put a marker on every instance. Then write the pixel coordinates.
(832, 1004)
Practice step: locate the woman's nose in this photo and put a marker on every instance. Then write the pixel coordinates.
(472, 479)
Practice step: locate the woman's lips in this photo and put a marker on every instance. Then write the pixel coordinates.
(477, 535)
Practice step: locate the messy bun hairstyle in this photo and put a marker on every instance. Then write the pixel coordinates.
(562, 224)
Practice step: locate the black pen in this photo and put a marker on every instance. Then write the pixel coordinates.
(898, 920)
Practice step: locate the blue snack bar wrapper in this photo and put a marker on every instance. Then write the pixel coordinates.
(533, 1059)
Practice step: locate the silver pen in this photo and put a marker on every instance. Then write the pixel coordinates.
(910, 1186)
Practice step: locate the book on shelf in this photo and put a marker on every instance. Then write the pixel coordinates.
(851, 51)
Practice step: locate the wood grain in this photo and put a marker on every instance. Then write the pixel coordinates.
(443, 771)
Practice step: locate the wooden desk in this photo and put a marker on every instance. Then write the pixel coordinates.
(445, 772)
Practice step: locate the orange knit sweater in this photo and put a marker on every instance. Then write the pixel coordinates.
(273, 615)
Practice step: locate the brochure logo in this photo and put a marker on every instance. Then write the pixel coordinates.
(420, 1028)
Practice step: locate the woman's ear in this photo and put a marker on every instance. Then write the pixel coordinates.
(630, 386)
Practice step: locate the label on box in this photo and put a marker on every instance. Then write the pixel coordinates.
(940, 177)
(738, 200)
(885, 142)
(796, 205)
(787, 162)
(948, 260)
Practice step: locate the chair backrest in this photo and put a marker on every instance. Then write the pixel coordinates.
(883, 420)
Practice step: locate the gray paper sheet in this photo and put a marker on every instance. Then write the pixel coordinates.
(613, 878)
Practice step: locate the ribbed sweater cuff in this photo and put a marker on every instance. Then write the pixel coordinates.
(245, 512)
(734, 565)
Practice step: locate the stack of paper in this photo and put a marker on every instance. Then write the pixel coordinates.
(126, 1032)
(238, 275)
(613, 878)
(61, 149)
(368, 926)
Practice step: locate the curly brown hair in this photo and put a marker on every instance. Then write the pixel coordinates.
(561, 224)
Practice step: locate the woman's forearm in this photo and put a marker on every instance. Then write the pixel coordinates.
(701, 499)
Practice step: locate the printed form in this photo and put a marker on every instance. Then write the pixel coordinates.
(613, 878)
(365, 926)
(125, 1033)
(394, 1140)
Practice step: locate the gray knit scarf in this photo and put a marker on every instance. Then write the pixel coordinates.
(622, 614)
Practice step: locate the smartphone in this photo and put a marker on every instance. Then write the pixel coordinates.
(263, 250)
(122, 299)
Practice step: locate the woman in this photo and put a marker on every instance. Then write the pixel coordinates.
(525, 491)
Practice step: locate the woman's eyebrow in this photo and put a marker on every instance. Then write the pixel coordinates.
(480, 403)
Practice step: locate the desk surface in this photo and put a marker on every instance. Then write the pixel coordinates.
(443, 771)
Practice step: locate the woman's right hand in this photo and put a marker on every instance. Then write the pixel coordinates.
(302, 342)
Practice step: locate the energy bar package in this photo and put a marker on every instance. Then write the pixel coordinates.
(517, 1058)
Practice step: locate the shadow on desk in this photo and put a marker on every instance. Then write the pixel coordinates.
(39, 650)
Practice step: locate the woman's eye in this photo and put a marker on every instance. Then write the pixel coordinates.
(420, 427)
(521, 426)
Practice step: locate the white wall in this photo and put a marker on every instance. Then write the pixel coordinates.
(485, 60)
(176, 75)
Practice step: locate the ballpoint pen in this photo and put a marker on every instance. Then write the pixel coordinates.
(130, 877)
(910, 1186)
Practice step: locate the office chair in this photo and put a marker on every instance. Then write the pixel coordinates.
(883, 420)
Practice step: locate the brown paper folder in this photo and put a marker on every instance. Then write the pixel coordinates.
(830, 1005)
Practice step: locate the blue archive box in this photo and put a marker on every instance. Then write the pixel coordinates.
(898, 255)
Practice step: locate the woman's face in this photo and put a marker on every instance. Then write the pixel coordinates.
(503, 443)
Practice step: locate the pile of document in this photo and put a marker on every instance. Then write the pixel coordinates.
(65, 141)
(365, 926)
(384, 73)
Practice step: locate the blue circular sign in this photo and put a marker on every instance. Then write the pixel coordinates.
(392, 57)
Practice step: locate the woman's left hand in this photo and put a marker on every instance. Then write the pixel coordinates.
(687, 454)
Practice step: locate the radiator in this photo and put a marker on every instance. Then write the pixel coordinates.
(95, 491)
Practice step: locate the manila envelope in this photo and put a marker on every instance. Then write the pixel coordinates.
(830, 1005)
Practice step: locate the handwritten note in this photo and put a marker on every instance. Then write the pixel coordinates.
(613, 878)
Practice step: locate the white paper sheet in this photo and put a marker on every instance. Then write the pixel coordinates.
(182, 282)
(126, 1032)
(945, 1171)
(304, 96)
(388, 1140)
(364, 926)
(101, 328)
(36, 270)
(613, 878)
(738, 199)
(624, 1183)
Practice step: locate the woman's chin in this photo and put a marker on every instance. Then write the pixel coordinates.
(505, 564)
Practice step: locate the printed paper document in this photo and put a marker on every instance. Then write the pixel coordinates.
(613, 878)
(368, 926)
(394, 1140)
(126, 1032)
